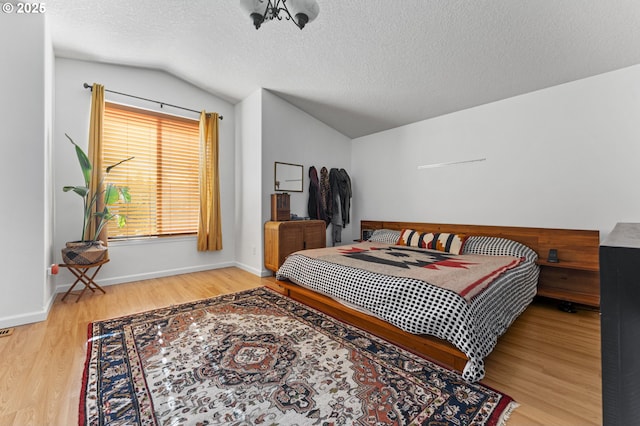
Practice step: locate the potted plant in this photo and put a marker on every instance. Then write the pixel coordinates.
(89, 249)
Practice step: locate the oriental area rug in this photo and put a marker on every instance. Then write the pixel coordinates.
(259, 358)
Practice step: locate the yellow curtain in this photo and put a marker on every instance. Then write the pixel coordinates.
(95, 156)
(209, 221)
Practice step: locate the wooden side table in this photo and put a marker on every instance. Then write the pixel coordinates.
(81, 273)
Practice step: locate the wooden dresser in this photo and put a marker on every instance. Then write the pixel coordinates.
(283, 238)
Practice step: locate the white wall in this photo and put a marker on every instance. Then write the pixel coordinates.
(563, 157)
(138, 259)
(290, 135)
(48, 248)
(25, 117)
(269, 130)
(248, 226)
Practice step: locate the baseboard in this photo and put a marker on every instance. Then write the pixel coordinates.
(22, 319)
(60, 288)
(29, 317)
(259, 272)
(37, 316)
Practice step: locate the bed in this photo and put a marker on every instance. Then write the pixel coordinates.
(378, 285)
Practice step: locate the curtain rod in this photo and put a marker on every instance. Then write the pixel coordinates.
(87, 86)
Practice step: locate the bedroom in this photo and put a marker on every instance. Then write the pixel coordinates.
(559, 157)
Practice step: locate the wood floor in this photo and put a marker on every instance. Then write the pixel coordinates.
(549, 361)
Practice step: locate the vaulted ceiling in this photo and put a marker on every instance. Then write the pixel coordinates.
(362, 66)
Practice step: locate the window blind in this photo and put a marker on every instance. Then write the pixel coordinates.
(163, 176)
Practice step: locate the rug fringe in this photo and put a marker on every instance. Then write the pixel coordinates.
(504, 417)
(82, 415)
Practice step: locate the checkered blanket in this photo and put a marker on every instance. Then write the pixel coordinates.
(468, 275)
(420, 307)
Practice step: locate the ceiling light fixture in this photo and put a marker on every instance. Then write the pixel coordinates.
(300, 12)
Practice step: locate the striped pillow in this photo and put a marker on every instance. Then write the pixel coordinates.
(441, 241)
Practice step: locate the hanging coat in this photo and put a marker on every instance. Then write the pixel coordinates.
(344, 183)
(336, 219)
(314, 204)
(325, 194)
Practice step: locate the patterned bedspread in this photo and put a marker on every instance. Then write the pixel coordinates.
(467, 275)
(472, 324)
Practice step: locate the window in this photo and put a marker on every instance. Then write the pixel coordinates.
(163, 176)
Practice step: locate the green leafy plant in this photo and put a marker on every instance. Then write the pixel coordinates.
(111, 194)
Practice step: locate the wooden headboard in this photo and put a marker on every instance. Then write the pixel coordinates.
(575, 278)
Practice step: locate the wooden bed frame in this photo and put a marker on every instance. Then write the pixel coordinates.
(575, 278)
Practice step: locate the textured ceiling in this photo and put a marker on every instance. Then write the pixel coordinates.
(363, 65)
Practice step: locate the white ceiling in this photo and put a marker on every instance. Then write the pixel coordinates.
(363, 65)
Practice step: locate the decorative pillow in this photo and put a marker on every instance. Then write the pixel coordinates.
(497, 246)
(441, 241)
(411, 238)
(450, 243)
(386, 236)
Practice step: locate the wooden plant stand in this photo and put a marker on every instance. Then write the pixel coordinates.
(81, 273)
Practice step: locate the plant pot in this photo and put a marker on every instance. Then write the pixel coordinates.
(84, 252)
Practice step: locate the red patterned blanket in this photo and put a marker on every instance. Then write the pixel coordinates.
(466, 275)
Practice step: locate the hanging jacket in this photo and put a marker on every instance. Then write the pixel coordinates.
(325, 194)
(314, 203)
(344, 183)
(336, 225)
